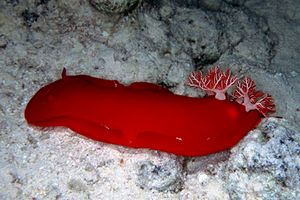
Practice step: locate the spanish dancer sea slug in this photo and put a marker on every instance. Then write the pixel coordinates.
(145, 115)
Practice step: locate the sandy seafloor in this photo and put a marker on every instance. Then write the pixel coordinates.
(160, 42)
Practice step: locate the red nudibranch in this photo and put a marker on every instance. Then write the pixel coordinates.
(145, 115)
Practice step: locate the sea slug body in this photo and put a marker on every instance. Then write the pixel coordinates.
(145, 115)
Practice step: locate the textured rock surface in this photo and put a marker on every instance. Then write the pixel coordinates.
(165, 175)
(161, 43)
(266, 164)
(115, 6)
